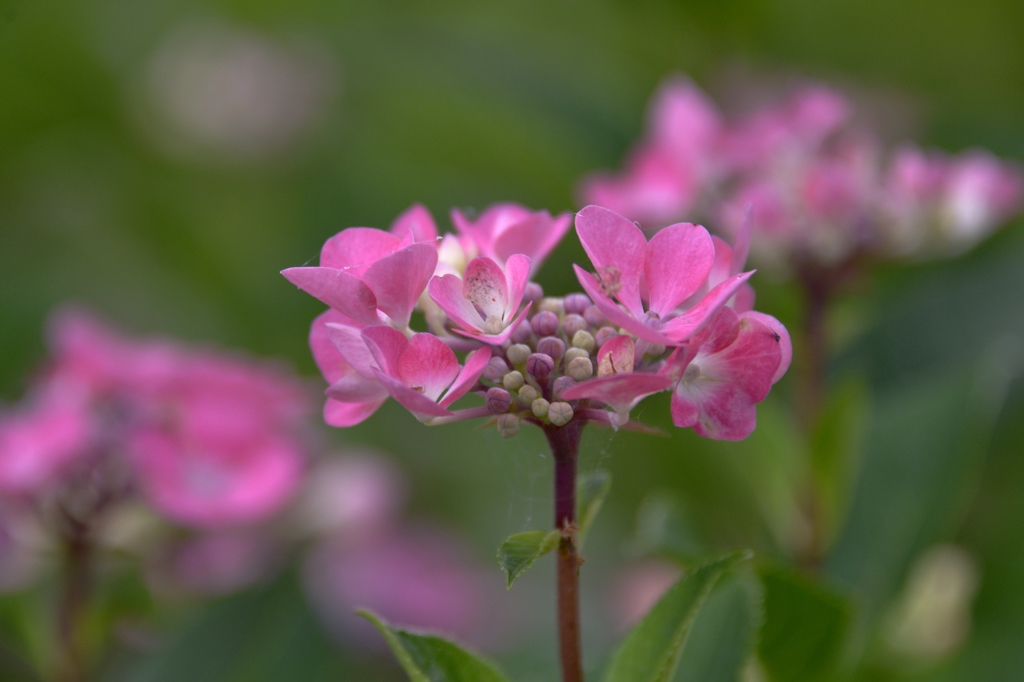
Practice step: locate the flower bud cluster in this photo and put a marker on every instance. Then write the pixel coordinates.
(549, 352)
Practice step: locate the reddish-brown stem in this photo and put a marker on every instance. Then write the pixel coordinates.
(74, 598)
(565, 446)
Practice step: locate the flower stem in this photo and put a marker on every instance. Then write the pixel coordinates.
(565, 445)
(74, 598)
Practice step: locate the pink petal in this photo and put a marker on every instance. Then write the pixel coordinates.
(415, 224)
(498, 339)
(342, 415)
(355, 388)
(619, 391)
(476, 363)
(679, 329)
(616, 356)
(617, 248)
(534, 237)
(427, 365)
(399, 279)
(684, 119)
(328, 358)
(721, 412)
(615, 314)
(749, 362)
(338, 289)
(417, 403)
(785, 344)
(350, 343)
(517, 276)
(679, 259)
(357, 248)
(485, 285)
(386, 346)
(446, 292)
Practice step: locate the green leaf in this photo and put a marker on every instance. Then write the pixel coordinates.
(805, 627)
(429, 658)
(518, 552)
(723, 638)
(591, 489)
(651, 652)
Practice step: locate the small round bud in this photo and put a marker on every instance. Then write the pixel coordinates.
(561, 383)
(508, 425)
(574, 353)
(522, 333)
(560, 413)
(539, 365)
(496, 369)
(573, 323)
(494, 325)
(551, 346)
(576, 303)
(533, 292)
(553, 305)
(544, 323)
(594, 316)
(579, 369)
(518, 353)
(603, 334)
(513, 381)
(655, 349)
(540, 408)
(498, 400)
(528, 394)
(584, 339)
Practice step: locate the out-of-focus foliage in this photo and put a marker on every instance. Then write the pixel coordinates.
(122, 188)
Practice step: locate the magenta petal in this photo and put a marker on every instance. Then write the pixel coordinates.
(355, 388)
(338, 289)
(417, 403)
(350, 343)
(534, 237)
(398, 280)
(620, 391)
(484, 284)
(679, 259)
(517, 276)
(427, 366)
(617, 248)
(356, 248)
(615, 314)
(498, 339)
(723, 411)
(476, 363)
(681, 328)
(446, 292)
(343, 415)
(386, 345)
(785, 343)
(328, 358)
(620, 353)
(415, 224)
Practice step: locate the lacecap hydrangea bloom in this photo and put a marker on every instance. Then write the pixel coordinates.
(669, 314)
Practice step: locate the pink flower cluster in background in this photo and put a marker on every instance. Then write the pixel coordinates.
(673, 314)
(815, 187)
(207, 440)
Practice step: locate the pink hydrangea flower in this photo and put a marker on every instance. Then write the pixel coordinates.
(504, 230)
(367, 393)
(39, 444)
(485, 301)
(662, 273)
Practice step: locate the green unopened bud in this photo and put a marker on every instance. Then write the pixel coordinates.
(584, 339)
(540, 408)
(560, 413)
(554, 305)
(508, 425)
(513, 381)
(528, 394)
(518, 353)
(574, 353)
(580, 369)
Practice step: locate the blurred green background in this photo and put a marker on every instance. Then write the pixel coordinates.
(123, 186)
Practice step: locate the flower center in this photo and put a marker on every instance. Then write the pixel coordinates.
(692, 372)
(494, 325)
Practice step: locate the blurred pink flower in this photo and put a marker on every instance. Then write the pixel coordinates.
(216, 563)
(354, 497)
(41, 442)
